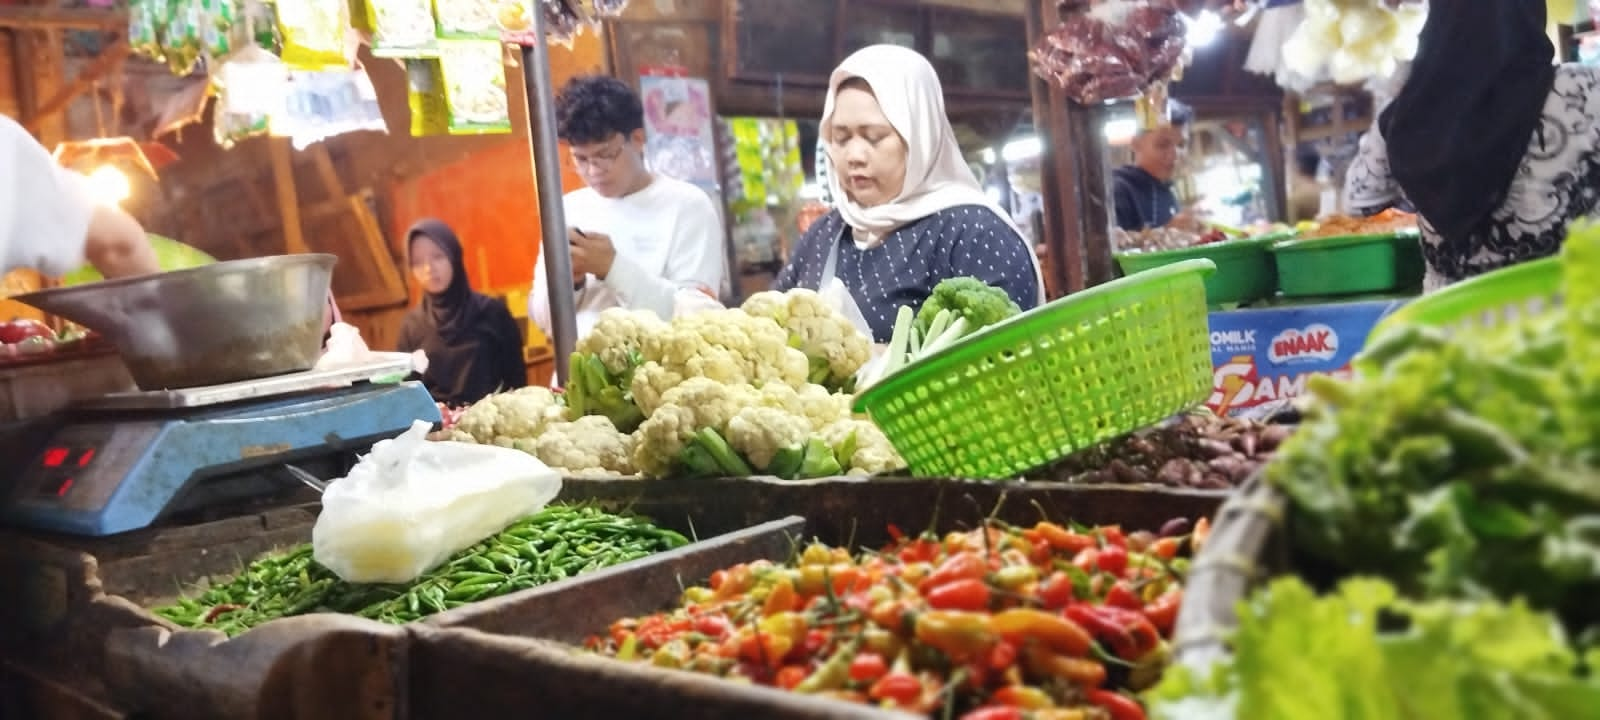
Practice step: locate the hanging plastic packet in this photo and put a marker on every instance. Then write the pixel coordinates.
(430, 112)
(363, 17)
(261, 26)
(323, 104)
(609, 8)
(251, 88)
(468, 19)
(144, 28)
(182, 44)
(314, 34)
(404, 28)
(561, 25)
(218, 18)
(474, 77)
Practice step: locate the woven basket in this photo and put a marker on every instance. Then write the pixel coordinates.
(1246, 547)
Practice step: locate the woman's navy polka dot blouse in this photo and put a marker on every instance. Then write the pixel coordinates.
(968, 240)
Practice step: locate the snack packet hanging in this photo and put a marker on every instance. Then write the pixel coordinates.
(404, 28)
(474, 77)
(325, 103)
(313, 34)
(217, 28)
(468, 19)
(362, 16)
(430, 112)
(181, 44)
(251, 87)
(144, 28)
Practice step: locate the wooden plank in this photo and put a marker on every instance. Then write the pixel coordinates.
(44, 17)
(393, 288)
(104, 63)
(288, 199)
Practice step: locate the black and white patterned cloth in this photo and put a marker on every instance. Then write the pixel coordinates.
(1558, 182)
(966, 240)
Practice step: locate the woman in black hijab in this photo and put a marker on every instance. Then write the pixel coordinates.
(473, 345)
(1496, 147)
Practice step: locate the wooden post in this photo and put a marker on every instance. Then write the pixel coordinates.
(294, 240)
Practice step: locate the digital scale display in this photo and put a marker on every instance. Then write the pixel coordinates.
(59, 464)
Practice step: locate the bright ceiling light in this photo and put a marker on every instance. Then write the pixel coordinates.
(1204, 28)
(109, 185)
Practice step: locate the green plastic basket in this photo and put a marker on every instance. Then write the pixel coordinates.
(1244, 267)
(1348, 264)
(1526, 290)
(1075, 372)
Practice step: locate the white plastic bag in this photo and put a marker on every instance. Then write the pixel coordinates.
(412, 503)
(346, 347)
(838, 297)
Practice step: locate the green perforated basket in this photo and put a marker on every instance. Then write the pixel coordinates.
(1528, 289)
(1078, 371)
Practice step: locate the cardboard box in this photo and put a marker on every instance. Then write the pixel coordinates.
(1263, 356)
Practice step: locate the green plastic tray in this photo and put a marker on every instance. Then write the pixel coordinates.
(1244, 267)
(1075, 372)
(1529, 289)
(1349, 264)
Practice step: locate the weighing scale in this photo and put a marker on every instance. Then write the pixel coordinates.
(126, 461)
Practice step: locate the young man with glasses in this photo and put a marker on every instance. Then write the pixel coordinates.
(637, 237)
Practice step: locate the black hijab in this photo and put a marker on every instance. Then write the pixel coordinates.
(1459, 129)
(453, 313)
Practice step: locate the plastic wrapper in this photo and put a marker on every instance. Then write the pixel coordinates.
(313, 33)
(251, 86)
(468, 19)
(609, 8)
(1113, 51)
(430, 112)
(363, 17)
(181, 43)
(323, 104)
(219, 33)
(561, 24)
(403, 28)
(412, 503)
(144, 28)
(475, 86)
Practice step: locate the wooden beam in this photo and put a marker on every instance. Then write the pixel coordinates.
(103, 63)
(41, 17)
(294, 239)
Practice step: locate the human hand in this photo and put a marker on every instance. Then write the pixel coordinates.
(1189, 220)
(592, 254)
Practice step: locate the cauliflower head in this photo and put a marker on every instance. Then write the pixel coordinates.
(522, 413)
(821, 332)
(726, 346)
(619, 337)
(694, 403)
(588, 446)
(814, 404)
(758, 433)
(873, 453)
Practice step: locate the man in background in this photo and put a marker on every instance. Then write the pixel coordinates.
(50, 222)
(637, 237)
(1142, 191)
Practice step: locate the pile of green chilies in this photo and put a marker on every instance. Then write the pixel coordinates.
(557, 543)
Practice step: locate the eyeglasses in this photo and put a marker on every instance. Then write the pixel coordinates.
(601, 159)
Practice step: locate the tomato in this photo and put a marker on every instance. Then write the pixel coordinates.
(897, 687)
(1057, 590)
(959, 595)
(790, 676)
(1113, 559)
(1122, 595)
(1120, 706)
(868, 667)
(1163, 613)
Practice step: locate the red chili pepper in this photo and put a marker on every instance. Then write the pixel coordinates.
(900, 688)
(1022, 696)
(1128, 632)
(1064, 540)
(1078, 671)
(1202, 531)
(1057, 590)
(959, 595)
(919, 550)
(1003, 656)
(1120, 706)
(1087, 560)
(713, 626)
(1113, 559)
(868, 667)
(791, 676)
(1163, 612)
(1112, 535)
(896, 534)
(1052, 630)
(1122, 595)
(1001, 712)
(962, 566)
(1165, 548)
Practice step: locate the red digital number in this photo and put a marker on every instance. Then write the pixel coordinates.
(54, 457)
(86, 458)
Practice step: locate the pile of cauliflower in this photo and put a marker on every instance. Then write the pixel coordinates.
(759, 390)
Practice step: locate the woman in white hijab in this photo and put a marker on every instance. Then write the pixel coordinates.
(908, 212)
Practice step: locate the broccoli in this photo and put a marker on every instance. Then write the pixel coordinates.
(967, 297)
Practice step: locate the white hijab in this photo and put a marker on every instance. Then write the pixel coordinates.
(937, 176)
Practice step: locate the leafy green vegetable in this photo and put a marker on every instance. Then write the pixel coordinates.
(1362, 653)
(595, 390)
(1464, 465)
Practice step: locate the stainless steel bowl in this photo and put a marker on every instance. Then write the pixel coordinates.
(210, 325)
